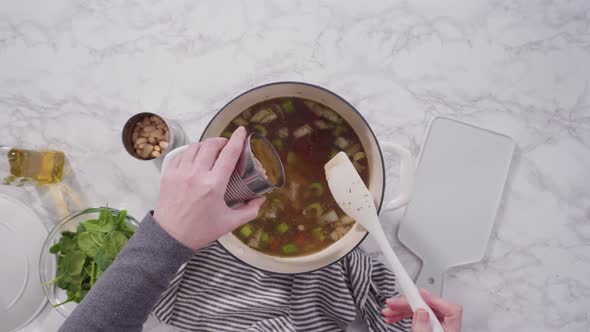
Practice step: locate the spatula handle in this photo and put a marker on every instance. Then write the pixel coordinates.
(407, 286)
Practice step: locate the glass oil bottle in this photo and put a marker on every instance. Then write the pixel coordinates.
(31, 166)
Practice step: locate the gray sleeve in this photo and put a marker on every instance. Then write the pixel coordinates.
(125, 294)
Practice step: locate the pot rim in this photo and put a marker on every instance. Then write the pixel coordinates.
(366, 124)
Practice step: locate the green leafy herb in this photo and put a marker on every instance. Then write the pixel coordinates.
(102, 260)
(88, 245)
(83, 256)
(73, 262)
(113, 243)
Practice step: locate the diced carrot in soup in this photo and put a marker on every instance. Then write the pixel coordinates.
(275, 245)
(299, 239)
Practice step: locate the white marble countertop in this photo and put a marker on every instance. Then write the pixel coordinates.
(72, 72)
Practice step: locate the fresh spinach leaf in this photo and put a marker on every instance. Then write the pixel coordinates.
(127, 230)
(113, 243)
(92, 274)
(99, 226)
(67, 244)
(80, 228)
(105, 216)
(102, 216)
(73, 262)
(68, 234)
(87, 244)
(120, 220)
(54, 249)
(76, 295)
(102, 259)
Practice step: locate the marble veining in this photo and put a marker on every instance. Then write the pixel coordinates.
(72, 72)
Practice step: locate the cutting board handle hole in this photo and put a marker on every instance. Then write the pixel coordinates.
(430, 280)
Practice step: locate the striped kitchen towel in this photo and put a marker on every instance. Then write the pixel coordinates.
(215, 292)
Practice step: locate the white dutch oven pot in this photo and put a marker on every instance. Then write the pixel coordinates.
(333, 253)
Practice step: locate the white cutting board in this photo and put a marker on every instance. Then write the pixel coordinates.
(459, 182)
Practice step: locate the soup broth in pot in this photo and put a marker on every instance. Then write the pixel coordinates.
(302, 217)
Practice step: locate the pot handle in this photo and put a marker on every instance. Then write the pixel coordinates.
(407, 169)
(170, 156)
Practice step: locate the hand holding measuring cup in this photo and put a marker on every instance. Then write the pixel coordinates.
(191, 205)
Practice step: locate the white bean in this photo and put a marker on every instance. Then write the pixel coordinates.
(163, 145)
(155, 154)
(157, 133)
(140, 140)
(147, 149)
(157, 148)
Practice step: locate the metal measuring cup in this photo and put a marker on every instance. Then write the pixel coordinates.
(248, 181)
(176, 136)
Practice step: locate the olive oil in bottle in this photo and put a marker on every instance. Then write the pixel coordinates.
(40, 166)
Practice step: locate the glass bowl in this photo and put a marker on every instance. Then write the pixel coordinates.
(48, 261)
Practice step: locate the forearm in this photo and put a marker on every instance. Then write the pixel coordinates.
(125, 294)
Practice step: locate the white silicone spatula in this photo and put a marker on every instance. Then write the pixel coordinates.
(354, 199)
